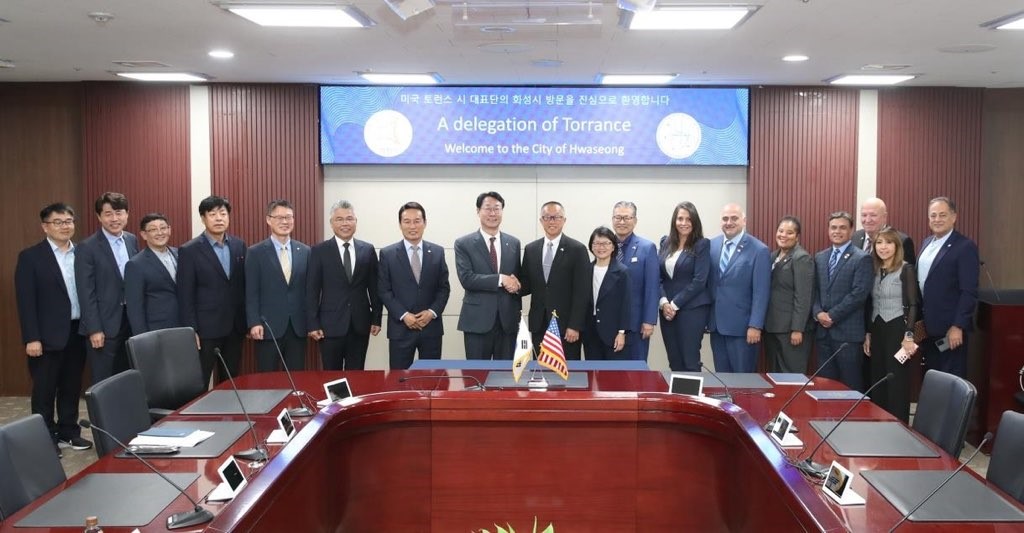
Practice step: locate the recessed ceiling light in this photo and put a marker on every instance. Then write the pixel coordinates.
(870, 79)
(1013, 21)
(689, 17)
(163, 76)
(795, 58)
(221, 54)
(301, 16)
(634, 79)
(430, 78)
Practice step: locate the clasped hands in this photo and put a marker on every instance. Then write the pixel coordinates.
(419, 320)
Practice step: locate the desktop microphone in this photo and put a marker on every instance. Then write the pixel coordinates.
(196, 516)
(479, 386)
(808, 466)
(988, 436)
(771, 423)
(991, 283)
(257, 453)
(727, 396)
(301, 410)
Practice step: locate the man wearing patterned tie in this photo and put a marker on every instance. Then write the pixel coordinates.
(99, 277)
(741, 278)
(150, 289)
(556, 273)
(842, 285)
(413, 284)
(640, 257)
(275, 291)
(487, 263)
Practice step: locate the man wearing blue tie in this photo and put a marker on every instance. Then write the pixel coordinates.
(741, 278)
(99, 277)
(640, 257)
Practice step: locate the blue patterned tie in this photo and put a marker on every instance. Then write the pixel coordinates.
(833, 263)
(726, 256)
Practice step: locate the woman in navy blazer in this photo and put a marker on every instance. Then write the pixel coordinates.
(685, 298)
(604, 333)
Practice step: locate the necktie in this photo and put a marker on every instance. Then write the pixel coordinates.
(726, 256)
(346, 261)
(549, 257)
(120, 254)
(833, 262)
(619, 255)
(286, 264)
(494, 256)
(415, 262)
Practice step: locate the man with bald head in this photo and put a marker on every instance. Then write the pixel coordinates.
(741, 277)
(874, 217)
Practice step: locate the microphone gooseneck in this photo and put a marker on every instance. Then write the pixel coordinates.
(771, 422)
(302, 410)
(728, 395)
(257, 453)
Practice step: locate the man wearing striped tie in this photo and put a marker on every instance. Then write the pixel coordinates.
(842, 285)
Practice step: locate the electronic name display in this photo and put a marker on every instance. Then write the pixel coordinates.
(534, 125)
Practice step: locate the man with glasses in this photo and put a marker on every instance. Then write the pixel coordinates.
(99, 276)
(487, 263)
(342, 304)
(556, 273)
(150, 289)
(640, 257)
(49, 311)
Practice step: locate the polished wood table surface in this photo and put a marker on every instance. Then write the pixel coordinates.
(670, 455)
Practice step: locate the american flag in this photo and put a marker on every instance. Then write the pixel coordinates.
(552, 355)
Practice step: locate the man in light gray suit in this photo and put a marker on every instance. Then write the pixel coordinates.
(275, 292)
(487, 262)
(150, 292)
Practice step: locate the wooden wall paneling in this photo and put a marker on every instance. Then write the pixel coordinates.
(1002, 187)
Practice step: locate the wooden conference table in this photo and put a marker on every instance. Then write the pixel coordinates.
(426, 455)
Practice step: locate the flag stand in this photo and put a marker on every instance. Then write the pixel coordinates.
(537, 379)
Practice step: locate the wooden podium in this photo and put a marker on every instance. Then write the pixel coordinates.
(996, 356)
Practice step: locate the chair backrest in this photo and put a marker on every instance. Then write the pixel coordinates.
(169, 362)
(944, 410)
(1006, 467)
(29, 465)
(118, 405)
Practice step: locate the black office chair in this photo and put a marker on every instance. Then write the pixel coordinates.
(1005, 468)
(118, 405)
(169, 362)
(944, 410)
(29, 465)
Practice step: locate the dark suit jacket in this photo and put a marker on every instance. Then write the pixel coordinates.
(908, 244)
(268, 295)
(150, 293)
(210, 302)
(951, 288)
(740, 293)
(611, 311)
(333, 303)
(401, 294)
(688, 286)
(789, 307)
(844, 297)
(641, 259)
(566, 290)
(485, 301)
(99, 283)
(44, 307)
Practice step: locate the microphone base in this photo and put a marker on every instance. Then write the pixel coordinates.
(721, 396)
(252, 454)
(300, 412)
(812, 469)
(189, 518)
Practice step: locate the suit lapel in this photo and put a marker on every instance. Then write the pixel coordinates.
(508, 257)
(150, 257)
(206, 250)
(610, 277)
(735, 254)
(843, 259)
(50, 260)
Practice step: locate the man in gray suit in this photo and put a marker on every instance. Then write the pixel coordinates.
(150, 291)
(487, 263)
(844, 277)
(275, 292)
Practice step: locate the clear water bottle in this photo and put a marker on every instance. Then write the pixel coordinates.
(92, 525)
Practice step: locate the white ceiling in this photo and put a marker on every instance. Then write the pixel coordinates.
(55, 40)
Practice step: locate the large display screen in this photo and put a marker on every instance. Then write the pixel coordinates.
(533, 125)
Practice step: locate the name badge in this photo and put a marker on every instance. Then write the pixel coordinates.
(633, 260)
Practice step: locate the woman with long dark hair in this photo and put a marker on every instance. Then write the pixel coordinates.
(685, 297)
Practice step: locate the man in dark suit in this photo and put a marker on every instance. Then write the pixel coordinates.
(487, 263)
(211, 287)
(275, 291)
(843, 282)
(48, 308)
(640, 257)
(948, 270)
(874, 218)
(342, 301)
(413, 284)
(741, 278)
(150, 290)
(99, 277)
(556, 272)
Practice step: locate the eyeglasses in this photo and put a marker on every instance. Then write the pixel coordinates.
(62, 223)
(551, 218)
(623, 218)
(602, 244)
(161, 229)
(343, 220)
(282, 218)
(491, 209)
